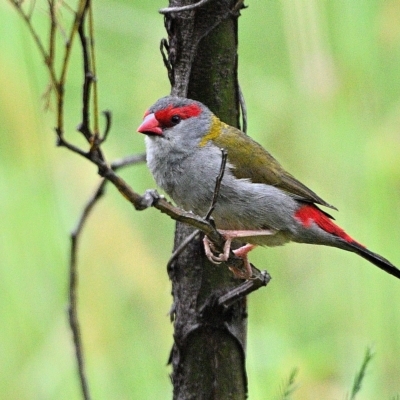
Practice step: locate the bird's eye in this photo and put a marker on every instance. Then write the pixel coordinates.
(175, 119)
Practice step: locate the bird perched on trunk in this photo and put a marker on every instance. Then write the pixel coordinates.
(259, 203)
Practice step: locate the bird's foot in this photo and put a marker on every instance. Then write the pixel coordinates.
(241, 252)
(210, 250)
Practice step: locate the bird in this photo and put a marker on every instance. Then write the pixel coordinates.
(259, 202)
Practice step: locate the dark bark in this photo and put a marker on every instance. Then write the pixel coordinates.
(208, 355)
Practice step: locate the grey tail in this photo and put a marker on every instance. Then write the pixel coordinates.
(375, 259)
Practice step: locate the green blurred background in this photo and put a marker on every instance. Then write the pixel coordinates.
(322, 84)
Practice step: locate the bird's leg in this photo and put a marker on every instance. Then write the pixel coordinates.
(241, 252)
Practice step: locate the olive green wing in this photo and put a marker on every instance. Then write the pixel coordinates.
(263, 168)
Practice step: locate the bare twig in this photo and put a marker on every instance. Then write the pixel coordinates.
(218, 181)
(107, 115)
(260, 278)
(73, 284)
(189, 7)
(94, 76)
(31, 8)
(52, 36)
(62, 142)
(181, 247)
(36, 38)
(88, 79)
(79, 17)
(243, 109)
(164, 46)
(73, 271)
(129, 160)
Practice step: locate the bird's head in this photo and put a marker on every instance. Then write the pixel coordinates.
(177, 118)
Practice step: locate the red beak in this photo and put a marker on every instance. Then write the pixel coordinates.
(150, 125)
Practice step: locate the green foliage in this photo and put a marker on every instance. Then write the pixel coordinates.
(322, 86)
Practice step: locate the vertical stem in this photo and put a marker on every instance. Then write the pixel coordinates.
(208, 356)
(94, 72)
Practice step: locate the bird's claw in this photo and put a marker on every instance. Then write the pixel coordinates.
(209, 250)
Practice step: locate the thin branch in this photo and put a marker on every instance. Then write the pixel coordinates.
(88, 78)
(62, 142)
(129, 160)
(52, 35)
(260, 278)
(31, 8)
(73, 284)
(107, 115)
(63, 5)
(243, 109)
(181, 247)
(37, 40)
(189, 7)
(67, 6)
(73, 270)
(94, 74)
(79, 16)
(164, 46)
(218, 181)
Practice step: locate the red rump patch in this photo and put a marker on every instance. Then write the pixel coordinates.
(184, 112)
(310, 213)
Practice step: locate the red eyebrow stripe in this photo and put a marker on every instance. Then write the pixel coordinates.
(164, 116)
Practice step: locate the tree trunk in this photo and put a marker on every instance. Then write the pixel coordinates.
(208, 355)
